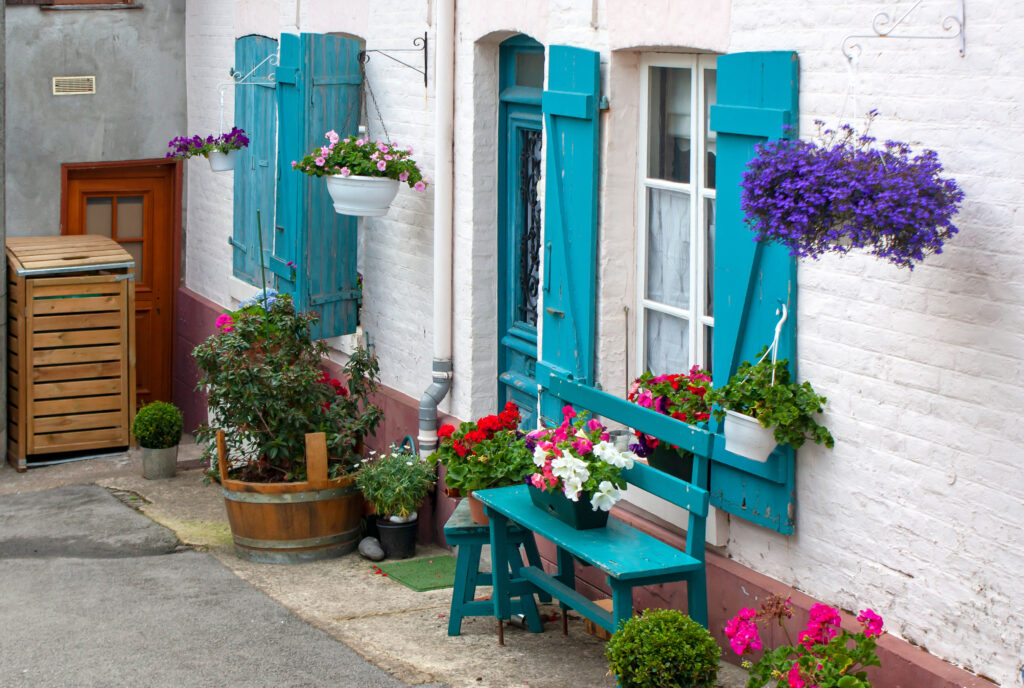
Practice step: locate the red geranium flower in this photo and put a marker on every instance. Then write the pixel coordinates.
(459, 449)
(445, 430)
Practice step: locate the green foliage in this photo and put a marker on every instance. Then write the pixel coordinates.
(776, 402)
(265, 389)
(395, 483)
(663, 648)
(489, 452)
(157, 425)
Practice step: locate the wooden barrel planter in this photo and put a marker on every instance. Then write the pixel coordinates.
(291, 523)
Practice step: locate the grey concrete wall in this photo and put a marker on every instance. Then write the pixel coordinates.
(138, 58)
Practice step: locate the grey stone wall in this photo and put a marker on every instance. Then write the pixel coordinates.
(138, 59)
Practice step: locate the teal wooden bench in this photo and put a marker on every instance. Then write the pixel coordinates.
(628, 557)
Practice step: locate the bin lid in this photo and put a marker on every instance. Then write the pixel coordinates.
(67, 253)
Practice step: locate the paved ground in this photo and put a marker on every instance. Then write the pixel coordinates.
(402, 632)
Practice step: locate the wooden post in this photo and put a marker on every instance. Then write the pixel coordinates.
(316, 460)
(222, 456)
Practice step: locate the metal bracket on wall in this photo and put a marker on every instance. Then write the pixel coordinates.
(422, 47)
(883, 24)
(249, 79)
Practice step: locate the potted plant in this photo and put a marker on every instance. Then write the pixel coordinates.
(842, 192)
(663, 647)
(681, 396)
(157, 429)
(286, 432)
(221, 151)
(825, 655)
(580, 471)
(362, 176)
(489, 452)
(762, 408)
(396, 484)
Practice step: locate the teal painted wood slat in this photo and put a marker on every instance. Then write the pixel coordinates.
(570, 219)
(255, 112)
(757, 97)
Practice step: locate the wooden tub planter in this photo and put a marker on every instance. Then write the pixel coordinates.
(291, 523)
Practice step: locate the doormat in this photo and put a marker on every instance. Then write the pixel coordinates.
(431, 573)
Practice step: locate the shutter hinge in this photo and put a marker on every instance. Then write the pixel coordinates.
(235, 244)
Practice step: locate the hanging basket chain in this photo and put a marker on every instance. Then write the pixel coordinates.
(363, 58)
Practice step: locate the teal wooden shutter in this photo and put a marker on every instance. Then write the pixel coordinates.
(319, 79)
(256, 113)
(570, 108)
(757, 100)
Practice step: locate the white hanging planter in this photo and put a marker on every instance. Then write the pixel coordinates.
(222, 162)
(747, 437)
(361, 196)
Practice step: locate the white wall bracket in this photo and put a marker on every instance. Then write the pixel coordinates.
(883, 25)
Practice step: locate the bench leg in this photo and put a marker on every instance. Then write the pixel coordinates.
(567, 575)
(467, 563)
(697, 597)
(525, 604)
(622, 602)
(499, 569)
(533, 559)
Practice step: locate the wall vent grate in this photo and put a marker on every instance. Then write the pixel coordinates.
(74, 85)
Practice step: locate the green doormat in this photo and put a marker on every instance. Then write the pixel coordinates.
(430, 573)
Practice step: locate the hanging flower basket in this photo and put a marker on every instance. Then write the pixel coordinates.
(222, 162)
(747, 437)
(361, 196)
(362, 175)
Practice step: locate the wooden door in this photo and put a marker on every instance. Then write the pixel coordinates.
(134, 206)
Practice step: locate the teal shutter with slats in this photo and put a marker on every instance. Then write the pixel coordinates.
(570, 109)
(318, 90)
(757, 100)
(255, 171)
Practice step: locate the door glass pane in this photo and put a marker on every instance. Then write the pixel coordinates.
(530, 69)
(668, 124)
(708, 348)
(666, 338)
(668, 247)
(710, 137)
(529, 237)
(135, 248)
(99, 216)
(709, 256)
(129, 217)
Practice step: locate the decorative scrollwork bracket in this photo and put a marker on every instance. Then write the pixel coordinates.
(883, 25)
(421, 46)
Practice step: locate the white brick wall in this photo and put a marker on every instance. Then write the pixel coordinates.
(918, 510)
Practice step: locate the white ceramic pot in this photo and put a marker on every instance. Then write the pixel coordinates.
(748, 438)
(222, 162)
(361, 196)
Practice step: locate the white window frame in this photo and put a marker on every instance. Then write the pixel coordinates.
(699, 195)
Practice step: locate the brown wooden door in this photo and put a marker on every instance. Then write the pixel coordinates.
(134, 206)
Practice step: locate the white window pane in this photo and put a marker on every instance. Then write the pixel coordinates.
(709, 256)
(710, 138)
(668, 124)
(667, 347)
(668, 247)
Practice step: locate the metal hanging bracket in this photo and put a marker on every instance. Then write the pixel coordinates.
(883, 25)
(421, 44)
(251, 78)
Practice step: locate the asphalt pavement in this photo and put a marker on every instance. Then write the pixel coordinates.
(93, 593)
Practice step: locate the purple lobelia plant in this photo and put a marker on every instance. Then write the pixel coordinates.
(841, 192)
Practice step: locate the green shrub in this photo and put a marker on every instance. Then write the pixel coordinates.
(395, 483)
(663, 648)
(157, 425)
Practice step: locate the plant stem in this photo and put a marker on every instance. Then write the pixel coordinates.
(263, 274)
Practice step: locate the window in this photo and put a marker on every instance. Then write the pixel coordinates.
(676, 213)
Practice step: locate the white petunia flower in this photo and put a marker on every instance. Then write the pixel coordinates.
(568, 466)
(572, 488)
(540, 456)
(605, 497)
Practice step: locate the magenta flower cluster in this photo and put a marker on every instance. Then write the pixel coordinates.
(184, 147)
(842, 192)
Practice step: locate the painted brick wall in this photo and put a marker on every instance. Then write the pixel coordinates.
(919, 510)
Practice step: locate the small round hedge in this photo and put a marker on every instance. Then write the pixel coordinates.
(157, 425)
(663, 648)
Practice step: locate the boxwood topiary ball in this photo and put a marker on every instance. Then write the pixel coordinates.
(157, 425)
(663, 648)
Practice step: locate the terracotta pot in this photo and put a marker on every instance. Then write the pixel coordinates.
(288, 523)
(452, 492)
(476, 511)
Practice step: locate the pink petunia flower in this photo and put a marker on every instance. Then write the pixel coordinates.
(320, 162)
(344, 171)
(332, 136)
(404, 176)
(381, 165)
(419, 186)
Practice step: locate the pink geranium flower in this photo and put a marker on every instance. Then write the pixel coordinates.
(871, 621)
(225, 322)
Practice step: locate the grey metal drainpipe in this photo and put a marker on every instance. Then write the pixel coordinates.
(442, 382)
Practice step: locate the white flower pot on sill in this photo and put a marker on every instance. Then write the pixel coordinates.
(748, 438)
(222, 162)
(361, 196)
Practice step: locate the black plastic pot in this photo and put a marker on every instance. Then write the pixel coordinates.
(675, 462)
(397, 539)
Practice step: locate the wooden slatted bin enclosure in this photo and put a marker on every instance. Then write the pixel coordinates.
(70, 346)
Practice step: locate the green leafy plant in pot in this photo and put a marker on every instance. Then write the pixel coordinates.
(157, 429)
(762, 403)
(663, 647)
(396, 484)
